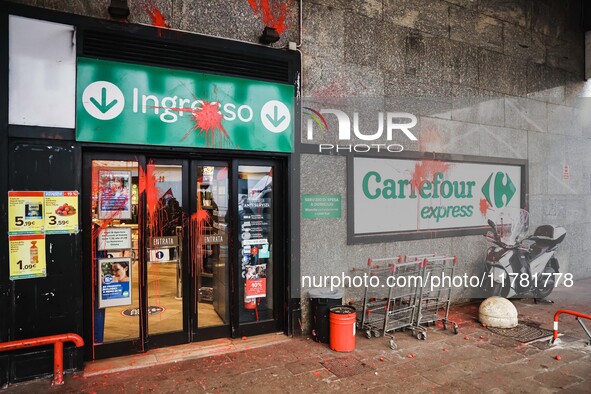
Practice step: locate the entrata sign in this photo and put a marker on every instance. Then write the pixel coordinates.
(400, 195)
(135, 104)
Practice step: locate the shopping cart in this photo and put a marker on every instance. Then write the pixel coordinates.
(371, 309)
(433, 303)
(401, 309)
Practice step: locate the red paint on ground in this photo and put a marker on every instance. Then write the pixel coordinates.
(271, 15)
(425, 170)
(484, 207)
(155, 14)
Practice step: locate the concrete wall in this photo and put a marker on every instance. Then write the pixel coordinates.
(496, 78)
(501, 78)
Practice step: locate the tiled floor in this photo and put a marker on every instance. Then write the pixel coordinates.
(475, 360)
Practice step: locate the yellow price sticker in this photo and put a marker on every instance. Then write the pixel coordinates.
(27, 256)
(61, 212)
(25, 212)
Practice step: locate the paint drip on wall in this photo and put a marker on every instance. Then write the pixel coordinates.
(155, 14)
(272, 15)
(425, 170)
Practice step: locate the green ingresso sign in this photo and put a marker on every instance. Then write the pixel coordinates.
(136, 104)
(318, 206)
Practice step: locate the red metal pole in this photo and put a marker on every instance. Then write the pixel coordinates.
(58, 363)
(58, 350)
(558, 313)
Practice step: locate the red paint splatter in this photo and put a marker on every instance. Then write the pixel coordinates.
(198, 223)
(153, 204)
(425, 170)
(271, 15)
(208, 122)
(155, 14)
(484, 207)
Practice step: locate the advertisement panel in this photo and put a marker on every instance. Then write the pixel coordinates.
(115, 282)
(136, 104)
(412, 195)
(114, 194)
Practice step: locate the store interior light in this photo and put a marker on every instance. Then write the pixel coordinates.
(119, 9)
(269, 36)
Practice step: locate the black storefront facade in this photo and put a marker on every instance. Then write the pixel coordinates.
(201, 233)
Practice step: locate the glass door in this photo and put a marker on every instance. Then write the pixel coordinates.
(209, 240)
(165, 207)
(136, 247)
(259, 250)
(181, 250)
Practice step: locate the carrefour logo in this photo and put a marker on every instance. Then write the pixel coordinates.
(499, 192)
(104, 100)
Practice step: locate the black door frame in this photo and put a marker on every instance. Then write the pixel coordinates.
(279, 249)
(155, 341)
(191, 333)
(93, 351)
(221, 331)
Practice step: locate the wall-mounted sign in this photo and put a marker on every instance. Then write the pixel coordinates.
(114, 281)
(161, 242)
(135, 104)
(159, 255)
(215, 239)
(27, 256)
(318, 206)
(61, 212)
(25, 212)
(114, 238)
(114, 194)
(402, 195)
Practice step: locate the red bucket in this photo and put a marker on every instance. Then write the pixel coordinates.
(342, 328)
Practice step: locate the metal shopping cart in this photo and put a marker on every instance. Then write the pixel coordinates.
(433, 303)
(371, 309)
(401, 309)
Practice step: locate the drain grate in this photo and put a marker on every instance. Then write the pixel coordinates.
(523, 332)
(343, 367)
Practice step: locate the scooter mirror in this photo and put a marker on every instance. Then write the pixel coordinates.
(491, 223)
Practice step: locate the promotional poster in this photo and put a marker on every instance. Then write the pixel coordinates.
(115, 282)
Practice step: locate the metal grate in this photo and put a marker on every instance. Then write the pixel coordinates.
(200, 58)
(343, 367)
(523, 332)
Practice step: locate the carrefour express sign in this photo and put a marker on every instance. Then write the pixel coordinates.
(137, 104)
(401, 195)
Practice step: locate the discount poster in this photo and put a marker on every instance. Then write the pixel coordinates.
(27, 256)
(256, 281)
(114, 282)
(61, 212)
(25, 212)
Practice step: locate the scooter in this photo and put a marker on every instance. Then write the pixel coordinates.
(518, 265)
